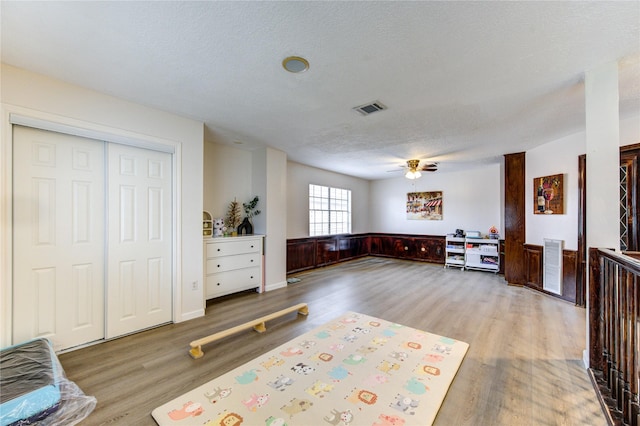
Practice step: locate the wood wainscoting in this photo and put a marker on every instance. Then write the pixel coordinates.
(428, 248)
(533, 262)
(314, 252)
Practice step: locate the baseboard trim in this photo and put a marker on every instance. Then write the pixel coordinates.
(192, 315)
(613, 419)
(275, 286)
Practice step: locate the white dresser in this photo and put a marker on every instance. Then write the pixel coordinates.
(232, 264)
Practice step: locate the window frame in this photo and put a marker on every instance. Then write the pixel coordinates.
(327, 204)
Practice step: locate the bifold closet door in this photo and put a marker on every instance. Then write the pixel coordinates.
(139, 271)
(58, 237)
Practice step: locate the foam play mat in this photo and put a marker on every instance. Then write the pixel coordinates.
(354, 370)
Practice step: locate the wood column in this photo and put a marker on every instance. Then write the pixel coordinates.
(514, 218)
(581, 269)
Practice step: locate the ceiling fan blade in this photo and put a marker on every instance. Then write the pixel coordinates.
(429, 167)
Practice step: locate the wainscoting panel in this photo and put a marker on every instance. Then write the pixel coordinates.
(353, 246)
(533, 266)
(327, 251)
(533, 260)
(314, 252)
(301, 254)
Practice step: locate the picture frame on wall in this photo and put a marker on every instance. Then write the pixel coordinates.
(548, 194)
(424, 205)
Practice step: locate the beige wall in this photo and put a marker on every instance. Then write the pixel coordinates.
(230, 173)
(300, 176)
(564, 159)
(227, 175)
(32, 95)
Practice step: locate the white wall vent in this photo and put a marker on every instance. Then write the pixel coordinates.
(552, 266)
(370, 108)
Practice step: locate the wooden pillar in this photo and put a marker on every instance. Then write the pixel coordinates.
(514, 218)
(596, 360)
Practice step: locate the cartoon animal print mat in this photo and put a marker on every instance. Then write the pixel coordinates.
(355, 370)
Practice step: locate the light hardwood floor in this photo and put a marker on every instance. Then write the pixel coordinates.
(524, 365)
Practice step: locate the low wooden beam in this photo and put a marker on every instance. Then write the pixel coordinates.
(258, 325)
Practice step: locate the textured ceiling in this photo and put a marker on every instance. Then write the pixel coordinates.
(464, 82)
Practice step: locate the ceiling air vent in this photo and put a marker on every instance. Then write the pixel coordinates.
(370, 108)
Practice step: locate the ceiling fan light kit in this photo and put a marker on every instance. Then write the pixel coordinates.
(413, 172)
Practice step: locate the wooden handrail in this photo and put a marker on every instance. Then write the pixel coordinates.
(614, 332)
(629, 262)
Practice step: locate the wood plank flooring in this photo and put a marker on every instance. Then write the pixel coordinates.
(524, 365)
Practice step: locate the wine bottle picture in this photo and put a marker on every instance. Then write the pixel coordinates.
(541, 200)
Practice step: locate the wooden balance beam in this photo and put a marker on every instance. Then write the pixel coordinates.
(257, 324)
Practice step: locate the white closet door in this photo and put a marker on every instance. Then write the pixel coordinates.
(58, 237)
(139, 239)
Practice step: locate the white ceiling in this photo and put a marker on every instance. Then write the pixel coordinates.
(463, 81)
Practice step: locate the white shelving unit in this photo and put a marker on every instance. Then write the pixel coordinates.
(207, 224)
(482, 254)
(455, 252)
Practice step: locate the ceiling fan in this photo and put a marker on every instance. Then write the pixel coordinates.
(414, 168)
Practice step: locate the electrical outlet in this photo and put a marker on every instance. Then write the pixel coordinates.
(194, 285)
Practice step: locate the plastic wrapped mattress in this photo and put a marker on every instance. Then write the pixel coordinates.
(34, 388)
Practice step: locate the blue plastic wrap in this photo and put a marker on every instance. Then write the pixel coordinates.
(34, 388)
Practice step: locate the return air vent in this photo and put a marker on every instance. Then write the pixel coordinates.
(552, 266)
(370, 108)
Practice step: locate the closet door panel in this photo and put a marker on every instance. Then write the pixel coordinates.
(58, 237)
(139, 283)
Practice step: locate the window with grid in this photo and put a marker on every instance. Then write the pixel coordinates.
(329, 210)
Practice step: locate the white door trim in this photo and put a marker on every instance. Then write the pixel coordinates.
(47, 121)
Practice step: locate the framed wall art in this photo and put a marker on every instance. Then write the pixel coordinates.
(424, 205)
(548, 194)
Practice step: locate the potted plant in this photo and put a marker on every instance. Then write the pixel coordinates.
(233, 216)
(250, 211)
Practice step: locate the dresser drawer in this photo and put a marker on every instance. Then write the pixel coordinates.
(230, 247)
(232, 281)
(227, 263)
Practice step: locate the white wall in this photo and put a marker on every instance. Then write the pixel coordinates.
(630, 130)
(471, 201)
(48, 99)
(602, 133)
(230, 173)
(270, 183)
(559, 156)
(298, 179)
(227, 175)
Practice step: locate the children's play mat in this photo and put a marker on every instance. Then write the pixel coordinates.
(354, 370)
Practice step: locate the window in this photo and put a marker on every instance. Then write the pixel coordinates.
(329, 210)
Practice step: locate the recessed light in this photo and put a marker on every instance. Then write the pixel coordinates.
(295, 64)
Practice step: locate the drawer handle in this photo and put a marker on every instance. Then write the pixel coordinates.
(251, 260)
(218, 266)
(218, 284)
(406, 248)
(422, 249)
(218, 249)
(251, 276)
(251, 246)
